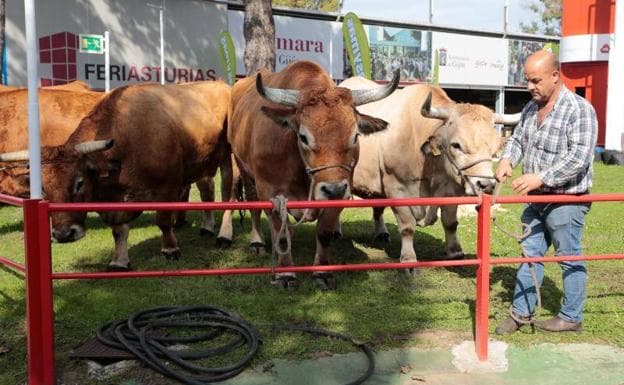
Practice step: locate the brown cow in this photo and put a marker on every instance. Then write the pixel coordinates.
(303, 145)
(60, 109)
(427, 151)
(140, 143)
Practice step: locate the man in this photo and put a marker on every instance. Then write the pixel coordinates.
(555, 139)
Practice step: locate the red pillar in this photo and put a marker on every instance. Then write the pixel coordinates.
(483, 278)
(39, 308)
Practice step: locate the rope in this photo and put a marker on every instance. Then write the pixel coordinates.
(139, 335)
(519, 237)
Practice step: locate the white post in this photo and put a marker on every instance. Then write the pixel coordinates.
(161, 11)
(107, 61)
(500, 106)
(162, 46)
(430, 11)
(506, 16)
(614, 135)
(32, 60)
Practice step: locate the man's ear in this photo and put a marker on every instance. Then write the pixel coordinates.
(284, 117)
(369, 124)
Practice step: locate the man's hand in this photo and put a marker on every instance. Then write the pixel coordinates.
(526, 183)
(503, 170)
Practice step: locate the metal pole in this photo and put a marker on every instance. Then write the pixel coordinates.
(107, 61)
(506, 16)
(483, 278)
(430, 11)
(39, 308)
(162, 45)
(34, 142)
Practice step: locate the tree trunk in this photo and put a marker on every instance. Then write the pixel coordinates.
(259, 32)
(2, 23)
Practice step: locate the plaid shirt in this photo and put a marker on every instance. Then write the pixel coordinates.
(561, 150)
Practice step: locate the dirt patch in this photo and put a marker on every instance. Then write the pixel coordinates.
(428, 339)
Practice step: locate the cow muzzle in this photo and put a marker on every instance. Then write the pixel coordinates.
(477, 185)
(72, 234)
(332, 190)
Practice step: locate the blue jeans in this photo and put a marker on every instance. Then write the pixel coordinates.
(562, 226)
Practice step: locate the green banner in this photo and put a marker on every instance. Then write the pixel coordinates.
(357, 45)
(227, 56)
(435, 75)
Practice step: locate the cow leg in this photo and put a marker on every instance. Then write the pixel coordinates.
(120, 261)
(207, 194)
(169, 245)
(230, 178)
(257, 245)
(452, 248)
(407, 227)
(180, 216)
(324, 235)
(381, 231)
(280, 242)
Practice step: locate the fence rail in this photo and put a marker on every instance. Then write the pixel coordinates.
(39, 274)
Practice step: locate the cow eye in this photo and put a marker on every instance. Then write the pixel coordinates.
(303, 139)
(456, 146)
(78, 185)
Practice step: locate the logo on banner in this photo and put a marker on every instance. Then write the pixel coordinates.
(605, 48)
(357, 45)
(227, 56)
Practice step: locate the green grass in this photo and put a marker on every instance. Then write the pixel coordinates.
(385, 307)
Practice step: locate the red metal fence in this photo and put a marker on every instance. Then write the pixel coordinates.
(39, 274)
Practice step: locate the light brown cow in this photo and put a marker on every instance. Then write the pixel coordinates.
(61, 110)
(140, 143)
(302, 145)
(445, 150)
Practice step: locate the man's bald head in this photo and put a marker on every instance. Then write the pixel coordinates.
(541, 71)
(542, 60)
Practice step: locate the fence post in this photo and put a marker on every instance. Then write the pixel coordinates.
(39, 308)
(483, 278)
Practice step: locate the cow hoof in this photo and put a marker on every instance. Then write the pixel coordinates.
(412, 272)
(456, 255)
(117, 268)
(205, 232)
(289, 282)
(171, 254)
(382, 238)
(257, 248)
(324, 281)
(224, 242)
(179, 224)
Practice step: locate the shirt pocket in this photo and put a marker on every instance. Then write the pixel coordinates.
(552, 141)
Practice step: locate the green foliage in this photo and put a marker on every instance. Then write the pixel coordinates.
(384, 307)
(549, 12)
(318, 5)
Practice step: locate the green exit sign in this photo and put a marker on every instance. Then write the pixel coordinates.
(91, 43)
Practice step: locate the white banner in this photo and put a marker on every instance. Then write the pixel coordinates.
(471, 60)
(296, 39)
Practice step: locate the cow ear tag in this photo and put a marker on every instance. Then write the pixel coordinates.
(435, 150)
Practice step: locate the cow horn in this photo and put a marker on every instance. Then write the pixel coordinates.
(434, 112)
(16, 156)
(277, 95)
(373, 94)
(93, 146)
(507, 119)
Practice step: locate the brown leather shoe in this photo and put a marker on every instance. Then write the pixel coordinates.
(556, 324)
(509, 325)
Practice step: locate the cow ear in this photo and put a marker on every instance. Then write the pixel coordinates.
(369, 124)
(431, 147)
(284, 117)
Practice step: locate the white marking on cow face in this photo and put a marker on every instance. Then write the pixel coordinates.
(472, 145)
